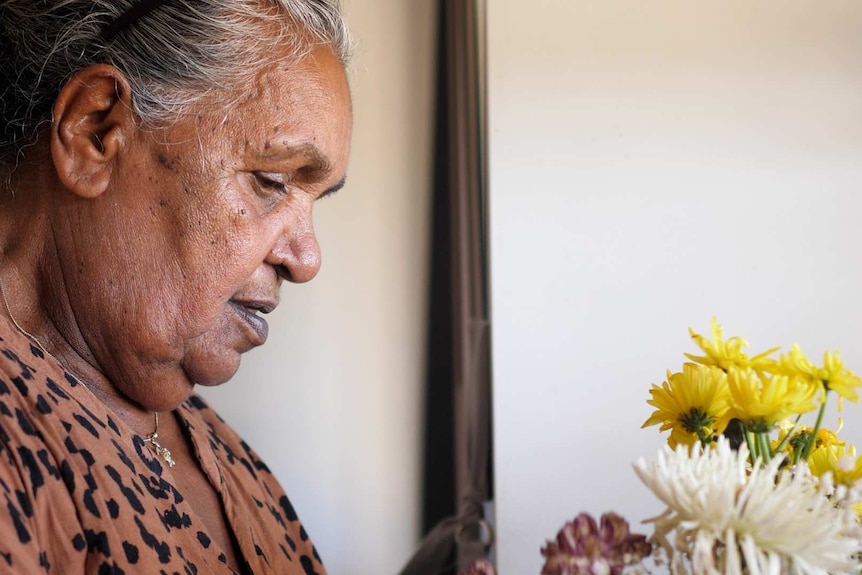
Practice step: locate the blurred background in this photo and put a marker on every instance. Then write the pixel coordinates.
(649, 165)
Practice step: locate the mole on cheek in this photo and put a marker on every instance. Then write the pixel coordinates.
(169, 163)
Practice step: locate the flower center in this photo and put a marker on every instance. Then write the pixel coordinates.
(695, 420)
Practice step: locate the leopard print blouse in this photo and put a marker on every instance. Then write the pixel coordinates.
(80, 493)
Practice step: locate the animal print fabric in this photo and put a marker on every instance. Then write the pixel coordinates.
(82, 494)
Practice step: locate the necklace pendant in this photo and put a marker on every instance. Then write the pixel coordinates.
(165, 454)
(162, 452)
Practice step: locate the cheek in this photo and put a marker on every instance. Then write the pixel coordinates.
(223, 234)
(221, 261)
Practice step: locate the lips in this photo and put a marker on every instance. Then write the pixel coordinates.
(247, 311)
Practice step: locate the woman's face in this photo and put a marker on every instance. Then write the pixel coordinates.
(173, 266)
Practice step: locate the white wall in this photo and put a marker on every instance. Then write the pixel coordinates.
(333, 401)
(653, 164)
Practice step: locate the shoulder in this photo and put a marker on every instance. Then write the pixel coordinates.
(20, 361)
(27, 375)
(32, 390)
(34, 481)
(38, 404)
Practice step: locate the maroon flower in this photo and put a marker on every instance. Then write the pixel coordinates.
(480, 567)
(584, 548)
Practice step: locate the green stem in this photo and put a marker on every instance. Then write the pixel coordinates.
(812, 439)
(765, 449)
(752, 451)
(797, 455)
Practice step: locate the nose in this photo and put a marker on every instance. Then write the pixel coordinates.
(296, 255)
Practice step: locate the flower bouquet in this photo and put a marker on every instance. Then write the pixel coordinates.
(750, 487)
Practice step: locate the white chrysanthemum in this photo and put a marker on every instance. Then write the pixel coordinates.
(771, 521)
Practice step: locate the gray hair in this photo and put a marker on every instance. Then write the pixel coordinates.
(173, 57)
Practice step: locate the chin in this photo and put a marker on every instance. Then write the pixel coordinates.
(211, 371)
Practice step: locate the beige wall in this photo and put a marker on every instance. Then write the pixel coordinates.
(333, 401)
(654, 163)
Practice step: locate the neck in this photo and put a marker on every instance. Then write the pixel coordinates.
(35, 300)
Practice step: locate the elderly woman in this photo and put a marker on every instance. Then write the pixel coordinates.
(160, 161)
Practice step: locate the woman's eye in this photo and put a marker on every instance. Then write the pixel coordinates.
(272, 181)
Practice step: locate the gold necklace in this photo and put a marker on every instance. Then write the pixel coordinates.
(151, 439)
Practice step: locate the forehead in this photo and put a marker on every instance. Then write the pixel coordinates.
(316, 79)
(288, 105)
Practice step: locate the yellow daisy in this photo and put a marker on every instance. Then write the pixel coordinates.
(693, 404)
(832, 376)
(841, 460)
(726, 354)
(761, 401)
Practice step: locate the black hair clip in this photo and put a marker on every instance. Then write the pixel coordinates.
(130, 16)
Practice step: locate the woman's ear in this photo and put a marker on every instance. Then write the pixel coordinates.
(93, 120)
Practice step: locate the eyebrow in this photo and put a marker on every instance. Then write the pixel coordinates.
(286, 152)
